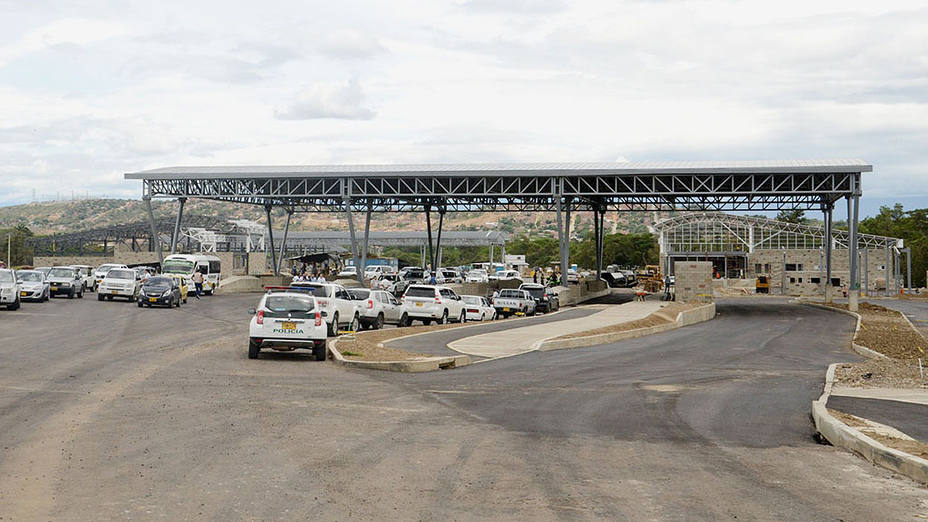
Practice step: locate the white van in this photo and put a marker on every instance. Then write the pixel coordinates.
(186, 264)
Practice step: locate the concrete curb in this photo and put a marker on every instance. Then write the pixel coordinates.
(844, 436)
(427, 364)
(470, 325)
(860, 349)
(684, 318)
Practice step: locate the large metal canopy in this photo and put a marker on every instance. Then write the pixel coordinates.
(561, 187)
(700, 185)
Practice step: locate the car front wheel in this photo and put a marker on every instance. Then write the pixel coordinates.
(378, 323)
(404, 321)
(463, 318)
(355, 324)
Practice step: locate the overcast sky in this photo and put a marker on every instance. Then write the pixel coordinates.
(90, 90)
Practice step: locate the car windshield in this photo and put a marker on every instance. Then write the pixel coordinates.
(420, 291)
(415, 273)
(471, 299)
(359, 294)
(30, 276)
(120, 273)
(6, 277)
(517, 294)
(478, 272)
(103, 269)
(61, 272)
(289, 303)
(315, 289)
(535, 291)
(178, 266)
(449, 273)
(159, 282)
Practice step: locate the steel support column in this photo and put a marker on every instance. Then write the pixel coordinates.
(283, 243)
(887, 289)
(866, 271)
(364, 243)
(441, 221)
(853, 295)
(175, 237)
(560, 234)
(353, 238)
(829, 242)
(156, 241)
(565, 261)
(428, 226)
(270, 235)
(908, 268)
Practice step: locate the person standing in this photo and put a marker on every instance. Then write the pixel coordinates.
(198, 282)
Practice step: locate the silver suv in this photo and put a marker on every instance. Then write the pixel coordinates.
(9, 289)
(65, 280)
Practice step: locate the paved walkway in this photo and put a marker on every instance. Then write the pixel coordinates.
(914, 396)
(522, 340)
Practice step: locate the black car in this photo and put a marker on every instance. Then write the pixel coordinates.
(160, 290)
(544, 302)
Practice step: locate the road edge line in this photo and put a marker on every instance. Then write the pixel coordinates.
(841, 435)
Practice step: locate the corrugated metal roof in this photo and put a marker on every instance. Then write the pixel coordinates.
(508, 169)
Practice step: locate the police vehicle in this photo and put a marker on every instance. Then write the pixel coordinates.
(287, 319)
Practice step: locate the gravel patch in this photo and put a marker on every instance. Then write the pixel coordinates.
(887, 331)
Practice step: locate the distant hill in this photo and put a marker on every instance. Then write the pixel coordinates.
(70, 216)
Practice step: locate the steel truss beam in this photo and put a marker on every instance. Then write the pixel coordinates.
(489, 192)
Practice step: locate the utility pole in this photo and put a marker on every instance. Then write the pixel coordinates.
(9, 242)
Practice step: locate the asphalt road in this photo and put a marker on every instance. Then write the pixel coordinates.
(112, 412)
(909, 418)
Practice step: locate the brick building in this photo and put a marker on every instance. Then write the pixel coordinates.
(791, 255)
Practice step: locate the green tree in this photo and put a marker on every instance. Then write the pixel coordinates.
(912, 226)
(792, 216)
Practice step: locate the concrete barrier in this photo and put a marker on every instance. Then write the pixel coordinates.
(841, 435)
(685, 318)
(425, 364)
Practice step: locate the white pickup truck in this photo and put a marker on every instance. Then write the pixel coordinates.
(511, 301)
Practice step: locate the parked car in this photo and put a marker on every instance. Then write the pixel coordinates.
(448, 276)
(410, 275)
(478, 308)
(374, 271)
(334, 303)
(160, 290)
(285, 320)
(145, 272)
(9, 289)
(429, 303)
(349, 272)
(544, 302)
(378, 307)
(101, 271)
(182, 284)
(477, 275)
(120, 282)
(511, 301)
(90, 282)
(573, 276)
(386, 282)
(65, 280)
(33, 286)
(507, 275)
(630, 278)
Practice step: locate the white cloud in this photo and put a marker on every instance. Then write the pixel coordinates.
(350, 44)
(338, 100)
(92, 90)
